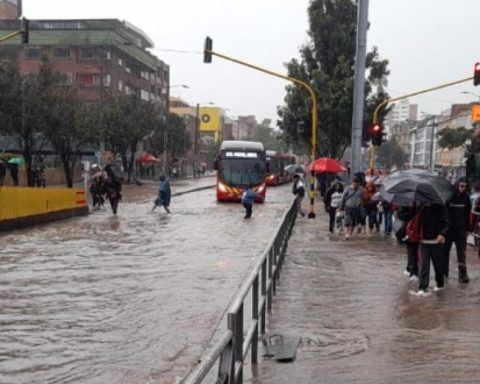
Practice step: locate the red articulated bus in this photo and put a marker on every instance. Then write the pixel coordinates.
(240, 164)
(276, 163)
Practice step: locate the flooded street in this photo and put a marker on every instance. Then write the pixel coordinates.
(132, 298)
(350, 306)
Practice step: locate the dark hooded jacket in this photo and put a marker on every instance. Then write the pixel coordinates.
(459, 207)
(435, 221)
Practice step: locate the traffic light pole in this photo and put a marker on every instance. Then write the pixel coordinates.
(388, 101)
(208, 53)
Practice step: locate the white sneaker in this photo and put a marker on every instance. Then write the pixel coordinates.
(406, 273)
(436, 289)
(413, 278)
(422, 293)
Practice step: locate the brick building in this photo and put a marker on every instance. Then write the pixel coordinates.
(10, 9)
(102, 58)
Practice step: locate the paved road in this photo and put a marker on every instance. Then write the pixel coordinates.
(349, 304)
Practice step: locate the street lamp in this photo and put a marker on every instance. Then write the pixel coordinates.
(471, 93)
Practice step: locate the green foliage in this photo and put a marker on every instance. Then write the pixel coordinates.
(454, 137)
(265, 134)
(391, 154)
(174, 130)
(327, 64)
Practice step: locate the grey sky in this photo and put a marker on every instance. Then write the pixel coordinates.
(428, 42)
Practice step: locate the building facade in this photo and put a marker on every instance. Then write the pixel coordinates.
(103, 58)
(10, 9)
(401, 112)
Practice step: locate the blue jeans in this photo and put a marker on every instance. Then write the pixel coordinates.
(387, 214)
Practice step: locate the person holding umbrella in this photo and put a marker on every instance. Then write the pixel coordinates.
(459, 207)
(435, 224)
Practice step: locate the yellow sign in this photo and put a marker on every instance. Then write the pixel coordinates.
(210, 119)
(475, 113)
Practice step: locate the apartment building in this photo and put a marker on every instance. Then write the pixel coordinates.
(103, 58)
(10, 9)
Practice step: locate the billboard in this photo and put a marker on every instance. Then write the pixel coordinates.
(475, 113)
(210, 119)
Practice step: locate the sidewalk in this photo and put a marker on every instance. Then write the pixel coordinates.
(349, 306)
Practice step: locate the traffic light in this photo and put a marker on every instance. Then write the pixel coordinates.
(207, 50)
(376, 134)
(476, 74)
(25, 28)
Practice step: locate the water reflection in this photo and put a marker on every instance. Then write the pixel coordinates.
(131, 298)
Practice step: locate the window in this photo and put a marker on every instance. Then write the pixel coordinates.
(87, 53)
(61, 52)
(32, 52)
(88, 80)
(120, 85)
(120, 62)
(68, 78)
(144, 95)
(105, 54)
(107, 80)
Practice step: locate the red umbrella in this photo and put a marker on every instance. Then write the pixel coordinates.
(148, 158)
(326, 164)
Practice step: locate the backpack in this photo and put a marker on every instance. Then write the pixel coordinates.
(414, 228)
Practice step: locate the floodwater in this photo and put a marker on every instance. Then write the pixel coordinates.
(132, 298)
(351, 308)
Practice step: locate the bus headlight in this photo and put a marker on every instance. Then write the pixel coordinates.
(261, 188)
(221, 187)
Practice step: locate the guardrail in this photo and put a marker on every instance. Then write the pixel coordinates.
(234, 344)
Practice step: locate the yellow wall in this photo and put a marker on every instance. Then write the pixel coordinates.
(16, 202)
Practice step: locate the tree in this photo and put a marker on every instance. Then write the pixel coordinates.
(174, 130)
(126, 121)
(454, 137)
(391, 154)
(326, 64)
(265, 134)
(67, 123)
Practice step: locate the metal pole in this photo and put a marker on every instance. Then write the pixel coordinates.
(432, 137)
(195, 138)
(164, 168)
(359, 86)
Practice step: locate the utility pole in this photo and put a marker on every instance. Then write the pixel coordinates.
(359, 86)
(195, 138)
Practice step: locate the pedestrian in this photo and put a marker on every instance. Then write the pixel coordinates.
(298, 189)
(387, 215)
(434, 222)
(332, 200)
(164, 194)
(405, 214)
(351, 203)
(248, 197)
(369, 208)
(459, 207)
(3, 172)
(14, 173)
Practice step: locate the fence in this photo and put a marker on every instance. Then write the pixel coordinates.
(234, 344)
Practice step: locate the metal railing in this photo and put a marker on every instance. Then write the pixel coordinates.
(233, 346)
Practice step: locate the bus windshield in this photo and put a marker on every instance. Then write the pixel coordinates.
(242, 168)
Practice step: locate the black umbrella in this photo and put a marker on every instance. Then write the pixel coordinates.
(407, 187)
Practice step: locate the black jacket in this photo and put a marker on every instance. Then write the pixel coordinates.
(459, 208)
(435, 221)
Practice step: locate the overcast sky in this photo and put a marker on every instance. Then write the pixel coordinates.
(427, 42)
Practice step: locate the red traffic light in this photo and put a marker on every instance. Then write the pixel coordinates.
(376, 128)
(476, 74)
